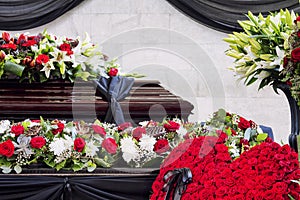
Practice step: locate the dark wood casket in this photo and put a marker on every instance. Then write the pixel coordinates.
(79, 100)
(58, 99)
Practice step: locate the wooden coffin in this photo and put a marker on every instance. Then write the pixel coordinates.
(80, 101)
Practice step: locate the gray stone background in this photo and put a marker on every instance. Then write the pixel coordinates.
(153, 38)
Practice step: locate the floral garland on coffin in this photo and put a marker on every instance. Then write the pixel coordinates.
(38, 58)
(79, 145)
(225, 165)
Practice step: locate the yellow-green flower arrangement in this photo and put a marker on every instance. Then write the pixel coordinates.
(259, 50)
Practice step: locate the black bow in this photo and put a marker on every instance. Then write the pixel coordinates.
(115, 89)
(176, 182)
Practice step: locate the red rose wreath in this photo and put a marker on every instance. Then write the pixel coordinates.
(265, 171)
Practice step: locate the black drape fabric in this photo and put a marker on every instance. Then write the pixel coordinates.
(26, 14)
(223, 15)
(115, 89)
(97, 187)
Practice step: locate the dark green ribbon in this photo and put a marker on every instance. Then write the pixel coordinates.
(176, 182)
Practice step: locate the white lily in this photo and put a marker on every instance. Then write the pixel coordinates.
(47, 68)
(279, 58)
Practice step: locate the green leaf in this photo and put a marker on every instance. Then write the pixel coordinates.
(49, 162)
(14, 68)
(252, 80)
(60, 165)
(101, 163)
(262, 137)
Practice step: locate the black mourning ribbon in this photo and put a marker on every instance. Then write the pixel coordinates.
(176, 182)
(115, 89)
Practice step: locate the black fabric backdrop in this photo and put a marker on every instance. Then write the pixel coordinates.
(222, 15)
(97, 186)
(25, 14)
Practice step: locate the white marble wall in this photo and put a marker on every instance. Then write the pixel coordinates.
(151, 37)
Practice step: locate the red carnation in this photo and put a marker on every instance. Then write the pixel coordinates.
(171, 126)
(98, 129)
(59, 129)
(7, 148)
(161, 146)
(17, 129)
(42, 58)
(37, 142)
(79, 144)
(138, 132)
(110, 145)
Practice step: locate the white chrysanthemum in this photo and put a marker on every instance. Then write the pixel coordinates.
(181, 131)
(68, 142)
(91, 149)
(147, 142)
(57, 146)
(4, 125)
(129, 149)
(127, 144)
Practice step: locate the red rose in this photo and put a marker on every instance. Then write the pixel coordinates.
(79, 144)
(17, 129)
(37, 142)
(138, 132)
(6, 36)
(295, 55)
(110, 145)
(59, 129)
(124, 126)
(66, 47)
(7, 148)
(297, 19)
(243, 123)
(98, 129)
(42, 58)
(171, 126)
(113, 72)
(8, 46)
(161, 146)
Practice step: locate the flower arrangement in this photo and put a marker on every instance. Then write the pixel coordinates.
(58, 144)
(38, 58)
(79, 145)
(265, 171)
(260, 49)
(230, 158)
